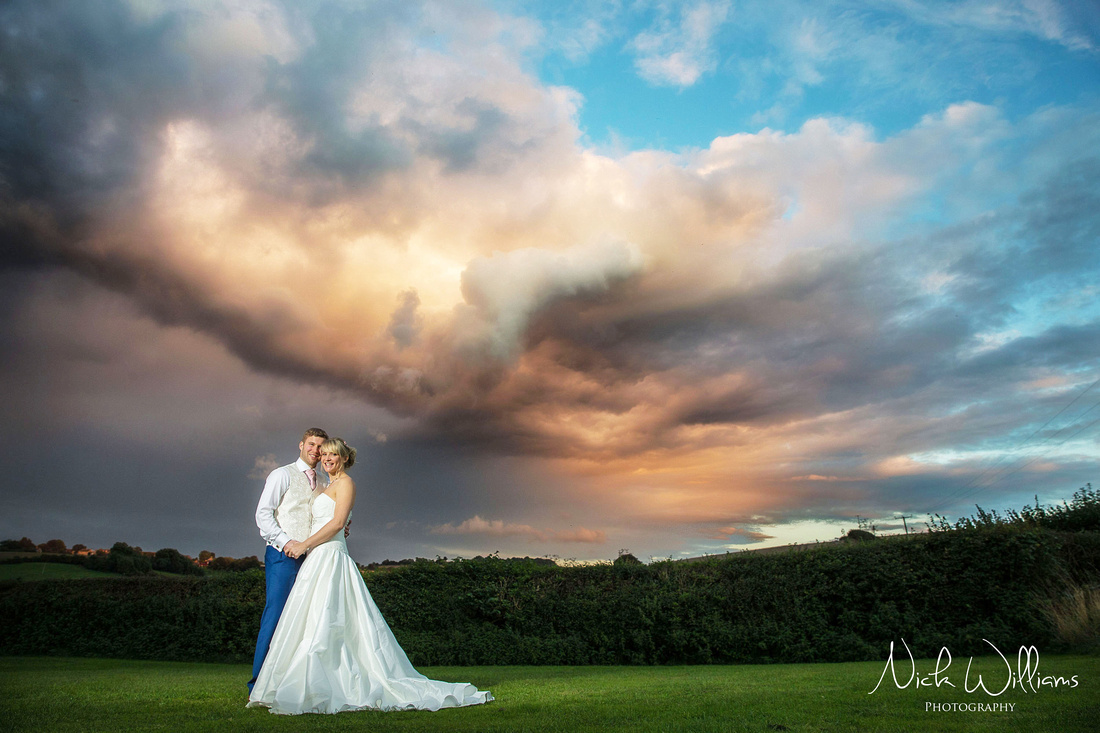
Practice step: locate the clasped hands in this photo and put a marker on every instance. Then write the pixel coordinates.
(294, 549)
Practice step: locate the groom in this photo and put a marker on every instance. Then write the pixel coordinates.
(283, 519)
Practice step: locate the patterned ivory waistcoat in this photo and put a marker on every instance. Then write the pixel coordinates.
(293, 511)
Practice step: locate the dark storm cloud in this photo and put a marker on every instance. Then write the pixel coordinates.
(313, 90)
(93, 96)
(86, 90)
(80, 95)
(378, 201)
(87, 93)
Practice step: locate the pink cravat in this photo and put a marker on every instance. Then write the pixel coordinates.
(311, 474)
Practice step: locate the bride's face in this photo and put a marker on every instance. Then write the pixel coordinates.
(331, 462)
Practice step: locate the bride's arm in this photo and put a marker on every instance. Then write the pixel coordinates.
(345, 499)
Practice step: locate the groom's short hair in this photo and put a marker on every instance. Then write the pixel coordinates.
(315, 432)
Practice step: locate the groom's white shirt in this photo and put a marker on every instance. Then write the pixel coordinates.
(283, 512)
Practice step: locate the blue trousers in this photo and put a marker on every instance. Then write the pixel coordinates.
(279, 574)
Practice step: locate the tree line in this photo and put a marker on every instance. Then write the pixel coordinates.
(124, 559)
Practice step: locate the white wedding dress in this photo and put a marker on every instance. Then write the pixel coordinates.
(332, 650)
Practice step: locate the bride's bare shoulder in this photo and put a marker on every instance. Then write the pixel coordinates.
(344, 483)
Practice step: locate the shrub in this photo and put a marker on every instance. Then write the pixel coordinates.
(236, 565)
(169, 560)
(23, 545)
(1080, 514)
(843, 602)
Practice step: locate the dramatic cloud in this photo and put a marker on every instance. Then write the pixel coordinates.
(382, 209)
(503, 292)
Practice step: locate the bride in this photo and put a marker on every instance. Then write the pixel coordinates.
(332, 650)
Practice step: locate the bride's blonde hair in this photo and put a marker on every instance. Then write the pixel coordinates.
(341, 448)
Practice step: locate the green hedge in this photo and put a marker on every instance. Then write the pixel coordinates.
(212, 619)
(831, 603)
(825, 604)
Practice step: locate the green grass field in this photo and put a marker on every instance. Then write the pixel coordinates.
(49, 571)
(56, 695)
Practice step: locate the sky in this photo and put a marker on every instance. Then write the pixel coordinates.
(575, 278)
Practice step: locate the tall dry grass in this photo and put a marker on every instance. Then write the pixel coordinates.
(1075, 617)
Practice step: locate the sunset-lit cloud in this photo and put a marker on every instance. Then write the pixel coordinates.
(739, 535)
(498, 528)
(391, 219)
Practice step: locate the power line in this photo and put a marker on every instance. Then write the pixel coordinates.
(964, 491)
(1037, 431)
(1036, 458)
(1017, 465)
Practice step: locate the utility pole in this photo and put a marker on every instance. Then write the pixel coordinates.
(904, 523)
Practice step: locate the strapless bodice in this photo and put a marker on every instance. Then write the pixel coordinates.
(322, 508)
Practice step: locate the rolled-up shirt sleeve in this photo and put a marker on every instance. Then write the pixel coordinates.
(278, 481)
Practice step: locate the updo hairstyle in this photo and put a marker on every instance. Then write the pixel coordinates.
(340, 447)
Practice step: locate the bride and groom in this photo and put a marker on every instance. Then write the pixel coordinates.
(323, 645)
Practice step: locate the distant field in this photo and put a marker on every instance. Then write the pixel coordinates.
(48, 571)
(59, 695)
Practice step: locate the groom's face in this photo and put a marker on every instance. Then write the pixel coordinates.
(311, 450)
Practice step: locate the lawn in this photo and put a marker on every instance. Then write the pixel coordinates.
(56, 695)
(48, 571)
